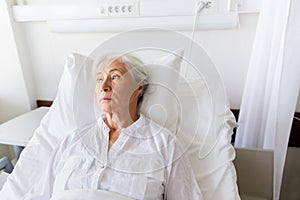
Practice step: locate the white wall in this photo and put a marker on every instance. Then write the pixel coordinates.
(13, 92)
(230, 51)
(14, 99)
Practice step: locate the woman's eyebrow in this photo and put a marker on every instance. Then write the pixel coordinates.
(99, 73)
(113, 70)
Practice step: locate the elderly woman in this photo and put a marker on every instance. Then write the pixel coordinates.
(124, 153)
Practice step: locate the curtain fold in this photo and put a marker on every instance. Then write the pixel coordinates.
(272, 85)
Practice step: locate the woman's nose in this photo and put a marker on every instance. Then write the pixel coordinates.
(105, 86)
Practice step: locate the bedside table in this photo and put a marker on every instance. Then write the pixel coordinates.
(19, 130)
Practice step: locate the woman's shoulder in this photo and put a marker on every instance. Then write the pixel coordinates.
(149, 132)
(158, 129)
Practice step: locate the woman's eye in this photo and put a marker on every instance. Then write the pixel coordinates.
(99, 81)
(115, 77)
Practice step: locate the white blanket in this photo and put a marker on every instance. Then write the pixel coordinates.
(89, 194)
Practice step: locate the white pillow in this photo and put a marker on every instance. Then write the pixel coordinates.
(62, 119)
(206, 138)
(160, 101)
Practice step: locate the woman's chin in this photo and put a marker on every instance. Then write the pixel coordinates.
(106, 109)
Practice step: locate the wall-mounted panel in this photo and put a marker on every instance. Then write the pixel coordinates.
(120, 15)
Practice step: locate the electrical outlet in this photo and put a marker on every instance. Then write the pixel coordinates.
(211, 8)
(120, 8)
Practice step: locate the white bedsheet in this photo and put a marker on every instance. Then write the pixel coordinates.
(89, 194)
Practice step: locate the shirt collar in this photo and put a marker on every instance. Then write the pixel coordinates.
(141, 121)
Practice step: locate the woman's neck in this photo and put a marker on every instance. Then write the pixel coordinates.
(118, 122)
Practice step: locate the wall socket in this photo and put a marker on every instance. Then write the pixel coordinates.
(119, 8)
(213, 6)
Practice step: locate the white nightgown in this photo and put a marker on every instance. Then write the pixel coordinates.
(145, 162)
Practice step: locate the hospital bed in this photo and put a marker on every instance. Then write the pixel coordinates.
(193, 107)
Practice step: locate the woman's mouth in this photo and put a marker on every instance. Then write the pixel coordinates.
(105, 99)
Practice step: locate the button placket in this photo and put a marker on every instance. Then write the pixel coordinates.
(101, 170)
(104, 155)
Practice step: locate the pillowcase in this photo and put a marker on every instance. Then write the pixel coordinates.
(160, 101)
(206, 138)
(62, 119)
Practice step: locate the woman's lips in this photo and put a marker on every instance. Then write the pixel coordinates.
(105, 99)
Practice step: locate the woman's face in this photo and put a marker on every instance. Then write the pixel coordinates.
(117, 91)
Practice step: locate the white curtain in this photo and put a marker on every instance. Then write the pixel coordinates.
(273, 82)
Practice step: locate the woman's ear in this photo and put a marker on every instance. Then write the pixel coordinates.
(140, 89)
